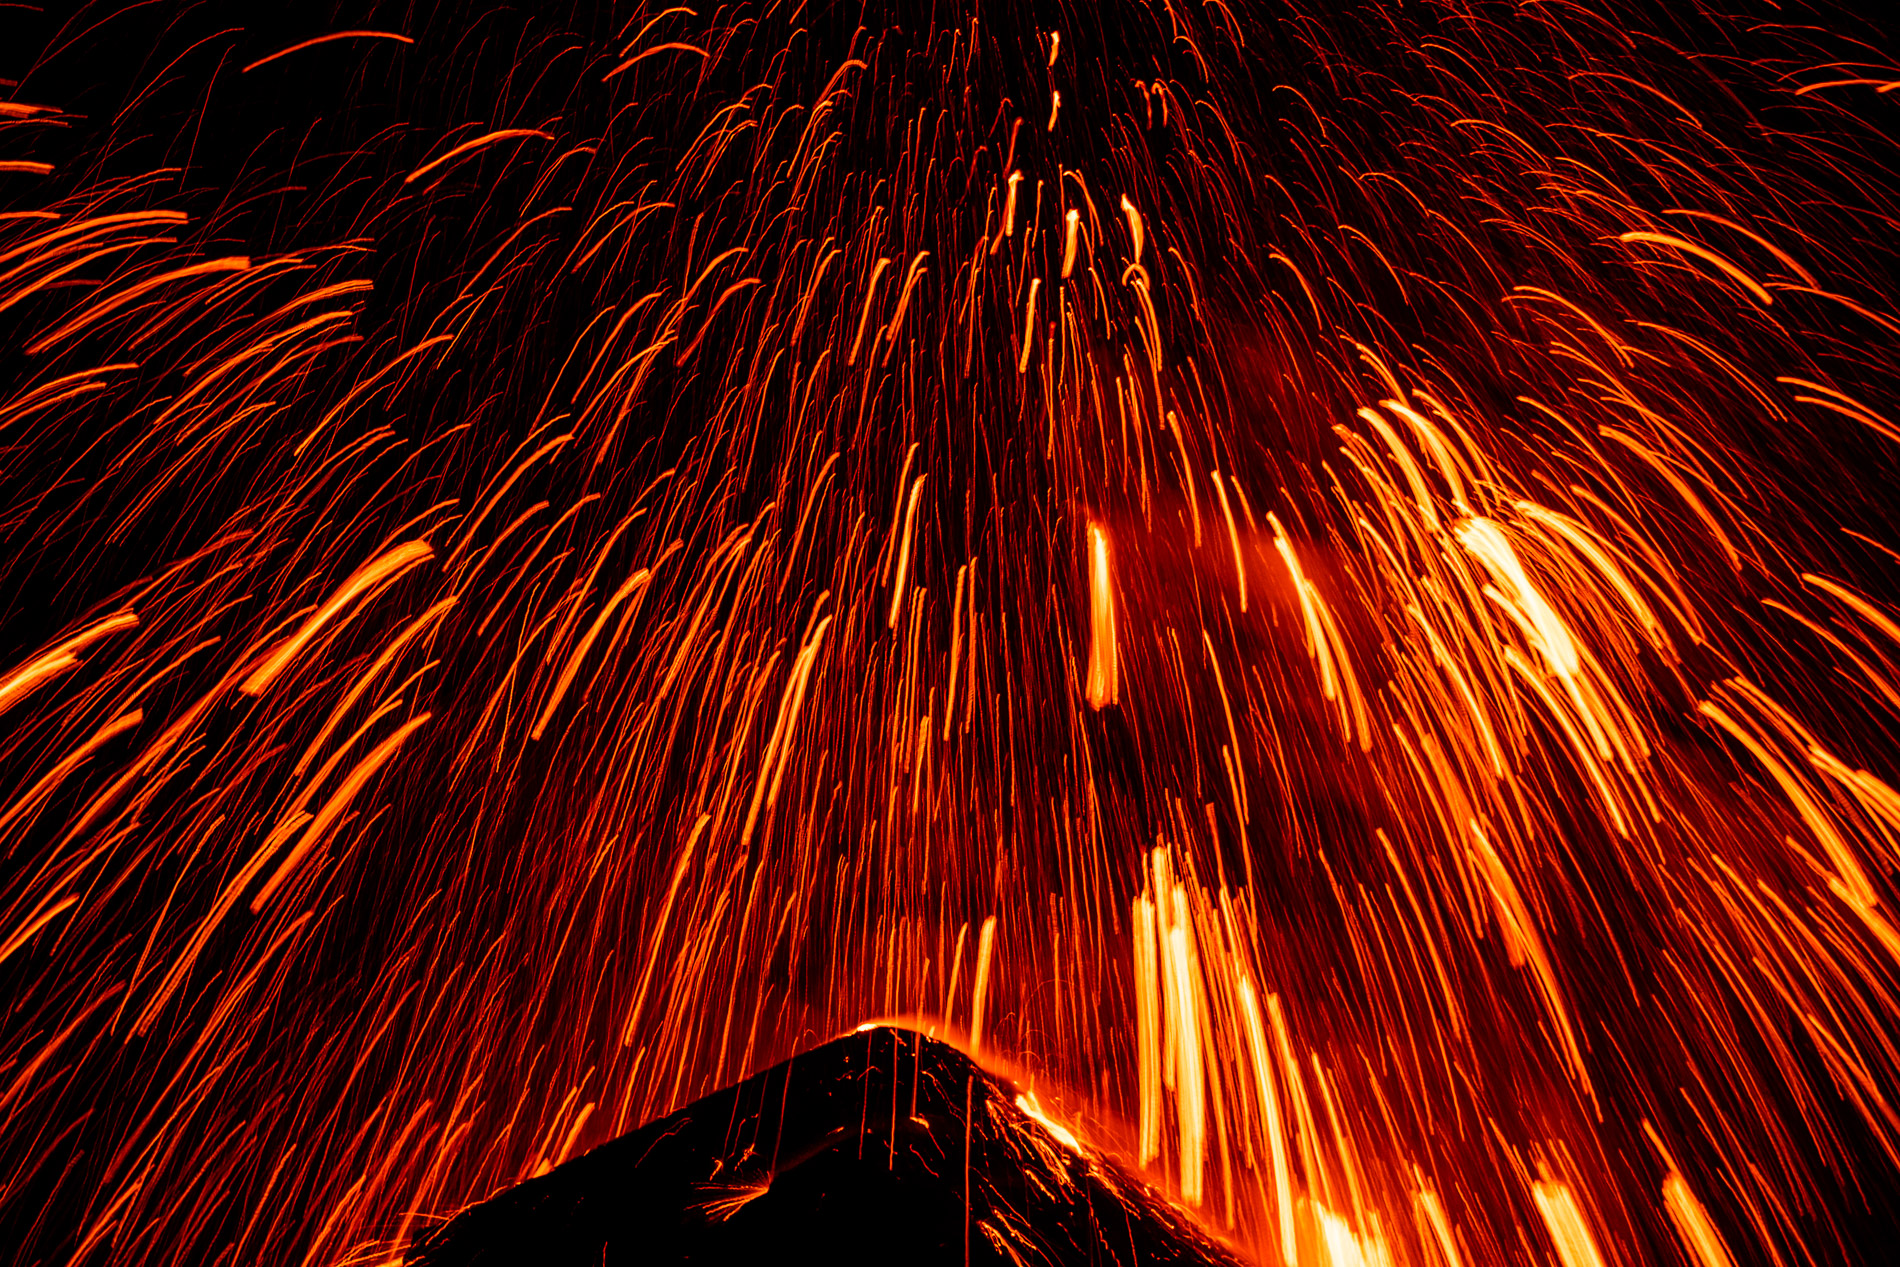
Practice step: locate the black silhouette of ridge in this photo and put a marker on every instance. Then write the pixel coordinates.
(882, 1146)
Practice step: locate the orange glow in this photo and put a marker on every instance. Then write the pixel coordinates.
(1104, 675)
(1320, 580)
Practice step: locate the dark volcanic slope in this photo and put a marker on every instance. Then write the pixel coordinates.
(883, 1146)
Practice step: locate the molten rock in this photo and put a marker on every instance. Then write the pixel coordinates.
(882, 1146)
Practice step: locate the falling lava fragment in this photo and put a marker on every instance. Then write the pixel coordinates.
(884, 1145)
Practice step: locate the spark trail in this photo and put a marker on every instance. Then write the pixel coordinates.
(1320, 581)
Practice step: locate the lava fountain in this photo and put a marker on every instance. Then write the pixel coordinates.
(1321, 581)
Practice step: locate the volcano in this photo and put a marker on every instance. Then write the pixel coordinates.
(881, 1146)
